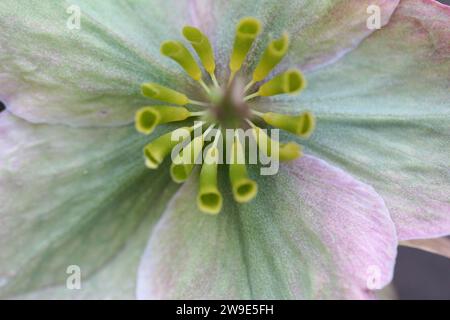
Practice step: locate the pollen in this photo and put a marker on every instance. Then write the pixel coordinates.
(229, 130)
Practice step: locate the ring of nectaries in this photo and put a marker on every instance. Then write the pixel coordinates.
(222, 111)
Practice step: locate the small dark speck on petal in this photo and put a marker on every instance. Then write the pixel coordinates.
(2, 106)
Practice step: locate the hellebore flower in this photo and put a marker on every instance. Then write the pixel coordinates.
(75, 189)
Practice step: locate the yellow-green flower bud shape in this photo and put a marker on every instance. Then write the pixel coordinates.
(302, 125)
(159, 92)
(184, 162)
(284, 151)
(291, 82)
(148, 118)
(273, 54)
(246, 32)
(178, 52)
(202, 46)
(209, 199)
(244, 189)
(158, 149)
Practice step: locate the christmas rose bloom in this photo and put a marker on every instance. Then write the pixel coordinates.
(365, 146)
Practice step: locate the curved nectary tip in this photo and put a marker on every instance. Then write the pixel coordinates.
(172, 49)
(193, 34)
(180, 172)
(290, 151)
(291, 82)
(279, 46)
(178, 52)
(302, 125)
(146, 120)
(244, 190)
(246, 32)
(152, 160)
(273, 54)
(159, 92)
(209, 199)
(182, 165)
(307, 124)
(294, 81)
(158, 149)
(248, 27)
(210, 202)
(272, 148)
(202, 46)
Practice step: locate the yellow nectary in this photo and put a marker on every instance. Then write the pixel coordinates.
(226, 107)
(148, 118)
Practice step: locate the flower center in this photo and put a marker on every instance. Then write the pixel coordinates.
(229, 109)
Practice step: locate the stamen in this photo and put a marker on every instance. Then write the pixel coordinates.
(199, 103)
(251, 96)
(197, 114)
(248, 86)
(204, 86)
(301, 125)
(291, 82)
(178, 52)
(214, 80)
(159, 92)
(259, 114)
(158, 149)
(246, 32)
(273, 54)
(244, 189)
(209, 199)
(202, 46)
(148, 118)
(184, 162)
